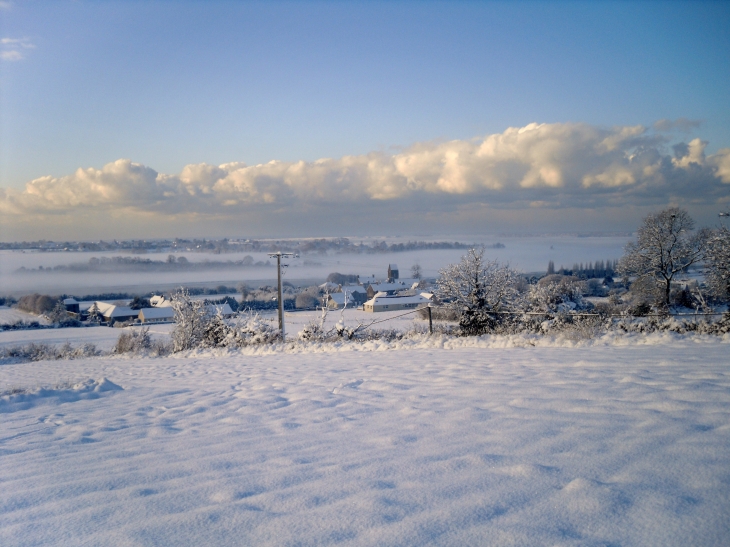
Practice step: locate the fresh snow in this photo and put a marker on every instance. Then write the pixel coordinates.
(8, 316)
(425, 441)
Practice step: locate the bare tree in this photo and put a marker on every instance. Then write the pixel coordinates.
(717, 263)
(666, 245)
(477, 288)
(416, 271)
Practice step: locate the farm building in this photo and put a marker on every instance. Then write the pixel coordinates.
(384, 302)
(72, 305)
(113, 313)
(156, 315)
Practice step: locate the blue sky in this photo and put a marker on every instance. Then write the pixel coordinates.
(171, 84)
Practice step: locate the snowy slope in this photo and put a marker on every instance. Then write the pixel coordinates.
(468, 446)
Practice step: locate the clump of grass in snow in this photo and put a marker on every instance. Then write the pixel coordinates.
(43, 352)
(19, 390)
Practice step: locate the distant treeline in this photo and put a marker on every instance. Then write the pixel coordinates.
(344, 245)
(116, 264)
(590, 270)
(218, 246)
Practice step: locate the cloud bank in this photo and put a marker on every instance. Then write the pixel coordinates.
(555, 166)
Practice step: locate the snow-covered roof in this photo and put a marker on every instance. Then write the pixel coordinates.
(339, 298)
(159, 301)
(70, 301)
(224, 309)
(353, 288)
(157, 313)
(392, 266)
(382, 298)
(113, 311)
(397, 286)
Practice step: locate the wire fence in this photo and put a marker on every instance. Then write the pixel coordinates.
(547, 314)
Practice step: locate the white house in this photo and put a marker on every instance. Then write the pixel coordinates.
(336, 300)
(385, 302)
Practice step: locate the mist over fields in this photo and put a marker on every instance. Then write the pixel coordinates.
(528, 254)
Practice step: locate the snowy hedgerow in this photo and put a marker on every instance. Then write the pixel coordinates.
(477, 288)
(43, 352)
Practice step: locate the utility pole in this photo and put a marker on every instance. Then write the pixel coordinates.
(279, 266)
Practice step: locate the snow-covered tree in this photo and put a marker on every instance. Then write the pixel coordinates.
(416, 271)
(58, 314)
(666, 245)
(477, 288)
(191, 320)
(557, 293)
(717, 263)
(94, 315)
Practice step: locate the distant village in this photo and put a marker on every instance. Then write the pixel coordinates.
(369, 293)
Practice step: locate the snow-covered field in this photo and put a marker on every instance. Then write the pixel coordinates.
(601, 445)
(103, 337)
(13, 315)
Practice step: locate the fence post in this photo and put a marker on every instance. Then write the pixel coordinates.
(430, 321)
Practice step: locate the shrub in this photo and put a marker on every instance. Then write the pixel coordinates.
(135, 341)
(36, 303)
(306, 300)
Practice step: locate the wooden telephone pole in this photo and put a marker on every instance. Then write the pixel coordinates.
(279, 266)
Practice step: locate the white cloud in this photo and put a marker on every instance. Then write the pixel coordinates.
(12, 49)
(11, 55)
(558, 166)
